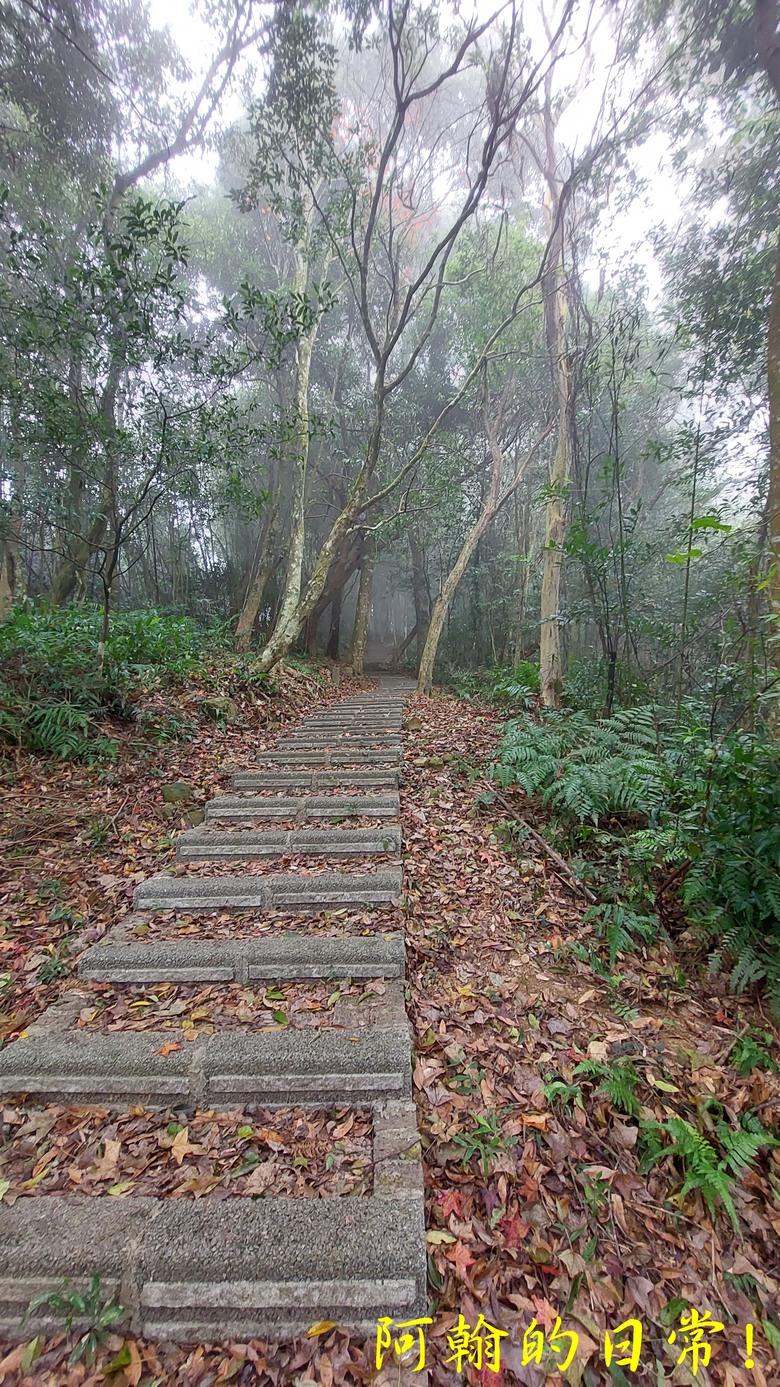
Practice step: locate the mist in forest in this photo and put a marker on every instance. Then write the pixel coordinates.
(357, 328)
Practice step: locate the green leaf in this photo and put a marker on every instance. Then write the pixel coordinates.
(5, 1186)
(683, 558)
(245, 1132)
(280, 1017)
(710, 522)
(122, 1360)
(31, 1352)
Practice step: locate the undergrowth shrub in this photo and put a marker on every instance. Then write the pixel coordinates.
(516, 686)
(52, 690)
(641, 803)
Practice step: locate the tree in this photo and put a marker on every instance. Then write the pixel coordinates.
(391, 196)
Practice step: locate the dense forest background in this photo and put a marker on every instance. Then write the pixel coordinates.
(411, 359)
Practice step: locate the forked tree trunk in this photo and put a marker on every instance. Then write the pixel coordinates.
(363, 608)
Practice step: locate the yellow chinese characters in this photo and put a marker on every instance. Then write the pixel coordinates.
(693, 1327)
(534, 1342)
(629, 1347)
(402, 1338)
(480, 1346)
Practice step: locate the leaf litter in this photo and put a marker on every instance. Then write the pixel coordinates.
(536, 1204)
(178, 1154)
(193, 1010)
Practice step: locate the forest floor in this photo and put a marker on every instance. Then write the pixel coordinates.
(535, 1205)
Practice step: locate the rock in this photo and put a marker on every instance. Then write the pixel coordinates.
(414, 723)
(220, 708)
(169, 811)
(195, 817)
(178, 792)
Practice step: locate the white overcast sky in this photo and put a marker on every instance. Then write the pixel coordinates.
(623, 235)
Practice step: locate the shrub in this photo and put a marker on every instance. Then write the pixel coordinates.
(639, 797)
(52, 691)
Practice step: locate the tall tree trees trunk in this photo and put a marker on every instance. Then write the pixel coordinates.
(9, 563)
(773, 500)
(334, 636)
(11, 583)
(363, 608)
(555, 319)
(420, 594)
(289, 620)
(492, 504)
(550, 657)
(263, 564)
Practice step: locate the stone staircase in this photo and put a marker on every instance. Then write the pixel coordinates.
(246, 1267)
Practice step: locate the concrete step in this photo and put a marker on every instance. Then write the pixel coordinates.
(280, 891)
(227, 807)
(244, 960)
(315, 780)
(209, 845)
(228, 1069)
(331, 756)
(211, 1270)
(382, 722)
(342, 740)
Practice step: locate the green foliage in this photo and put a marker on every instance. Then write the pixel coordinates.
(70, 1305)
(638, 798)
(617, 1081)
(52, 694)
(518, 684)
(703, 1169)
(586, 769)
(484, 1140)
(751, 1051)
(620, 927)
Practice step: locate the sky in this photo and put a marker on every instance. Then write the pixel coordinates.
(623, 233)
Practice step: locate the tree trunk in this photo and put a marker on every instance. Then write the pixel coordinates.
(550, 662)
(420, 594)
(283, 637)
(288, 624)
(332, 649)
(363, 608)
(252, 603)
(773, 502)
(400, 650)
(555, 295)
(491, 506)
(9, 563)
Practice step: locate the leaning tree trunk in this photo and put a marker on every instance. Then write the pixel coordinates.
(492, 505)
(252, 603)
(363, 609)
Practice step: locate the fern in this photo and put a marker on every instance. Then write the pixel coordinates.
(702, 1170)
(617, 1081)
(586, 770)
(620, 926)
(741, 1147)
